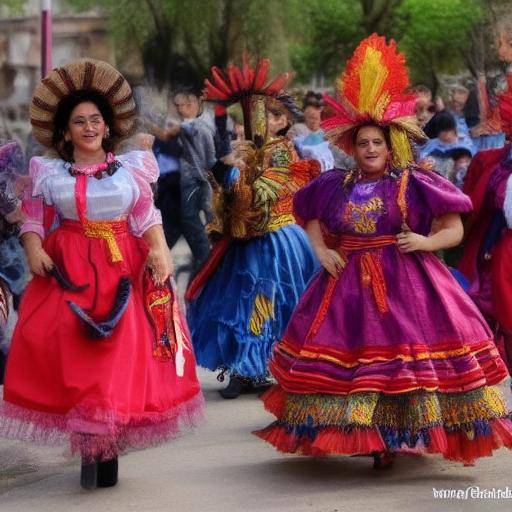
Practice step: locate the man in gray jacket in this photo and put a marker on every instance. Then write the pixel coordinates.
(196, 137)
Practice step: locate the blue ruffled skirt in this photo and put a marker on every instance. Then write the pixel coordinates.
(245, 306)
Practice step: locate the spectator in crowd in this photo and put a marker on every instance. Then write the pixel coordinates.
(458, 97)
(197, 158)
(444, 137)
(461, 158)
(167, 150)
(192, 142)
(312, 143)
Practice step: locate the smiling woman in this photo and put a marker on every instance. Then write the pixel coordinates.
(84, 127)
(94, 361)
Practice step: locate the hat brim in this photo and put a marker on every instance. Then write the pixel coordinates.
(81, 74)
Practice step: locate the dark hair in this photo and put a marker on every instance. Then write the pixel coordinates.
(441, 122)
(457, 153)
(188, 92)
(384, 129)
(420, 89)
(63, 114)
(313, 99)
(471, 110)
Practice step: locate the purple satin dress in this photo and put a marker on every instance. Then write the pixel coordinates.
(392, 353)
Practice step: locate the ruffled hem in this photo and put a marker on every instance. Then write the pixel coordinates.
(454, 446)
(447, 369)
(461, 427)
(250, 361)
(99, 434)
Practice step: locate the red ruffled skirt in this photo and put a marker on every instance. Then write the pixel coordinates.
(100, 395)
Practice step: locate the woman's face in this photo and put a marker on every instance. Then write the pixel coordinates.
(424, 111)
(276, 123)
(371, 151)
(86, 128)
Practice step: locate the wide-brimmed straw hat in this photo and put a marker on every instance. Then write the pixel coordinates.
(82, 74)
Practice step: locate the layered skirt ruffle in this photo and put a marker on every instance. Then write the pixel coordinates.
(418, 377)
(96, 433)
(245, 306)
(459, 426)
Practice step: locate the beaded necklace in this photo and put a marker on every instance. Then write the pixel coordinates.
(109, 166)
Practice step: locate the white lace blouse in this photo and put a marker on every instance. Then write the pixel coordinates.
(126, 194)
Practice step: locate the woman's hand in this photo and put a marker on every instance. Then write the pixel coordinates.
(331, 261)
(446, 231)
(39, 262)
(159, 257)
(408, 241)
(16, 216)
(160, 263)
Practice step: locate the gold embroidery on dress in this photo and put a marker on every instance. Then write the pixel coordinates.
(364, 217)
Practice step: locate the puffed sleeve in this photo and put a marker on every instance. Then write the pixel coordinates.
(436, 195)
(143, 167)
(36, 195)
(314, 201)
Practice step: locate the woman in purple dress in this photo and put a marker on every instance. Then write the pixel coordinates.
(384, 353)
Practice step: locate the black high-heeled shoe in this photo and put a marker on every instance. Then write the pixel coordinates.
(89, 475)
(108, 473)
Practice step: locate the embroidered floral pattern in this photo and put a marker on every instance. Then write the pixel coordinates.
(363, 217)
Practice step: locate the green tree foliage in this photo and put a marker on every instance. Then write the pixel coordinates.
(10, 7)
(179, 41)
(434, 38)
(328, 33)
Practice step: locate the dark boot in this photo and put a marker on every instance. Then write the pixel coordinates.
(107, 473)
(258, 385)
(89, 475)
(234, 388)
(383, 460)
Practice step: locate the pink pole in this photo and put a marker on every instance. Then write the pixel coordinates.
(46, 37)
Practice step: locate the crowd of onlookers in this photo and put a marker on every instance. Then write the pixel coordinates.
(187, 146)
(194, 137)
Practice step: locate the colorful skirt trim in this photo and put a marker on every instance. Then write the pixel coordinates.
(460, 427)
(449, 367)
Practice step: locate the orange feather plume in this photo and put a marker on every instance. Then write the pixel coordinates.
(372, 89)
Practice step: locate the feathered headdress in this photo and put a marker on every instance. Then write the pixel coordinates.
(371, 90)
(250, 87)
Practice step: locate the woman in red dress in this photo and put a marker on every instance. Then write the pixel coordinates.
(91, 362)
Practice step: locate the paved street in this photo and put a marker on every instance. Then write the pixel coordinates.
(222, 468)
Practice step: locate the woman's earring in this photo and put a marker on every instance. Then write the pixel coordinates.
(107, 133)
